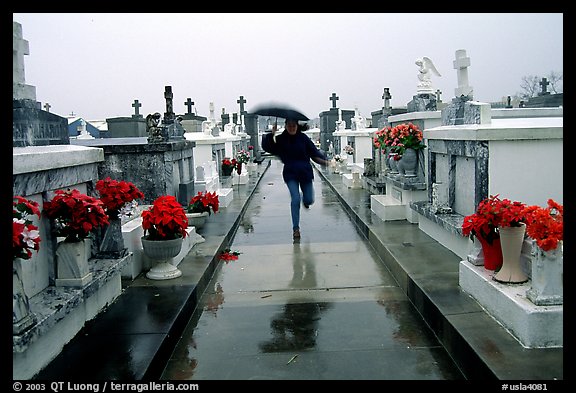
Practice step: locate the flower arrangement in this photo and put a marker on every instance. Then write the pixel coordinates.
(399, 138)
(119, 197)
(410, 137)
(338, 158)
(387, 137)
(491, 214)
(243, 156)
(545, 225)
(25, 235)
(229, 163)
(203, 202)
(75, 214)
(165, 219)
(348, 150)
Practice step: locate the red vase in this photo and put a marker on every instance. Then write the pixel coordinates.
(239, 168)
(492, 253)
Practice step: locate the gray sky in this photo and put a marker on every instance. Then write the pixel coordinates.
(96, 65)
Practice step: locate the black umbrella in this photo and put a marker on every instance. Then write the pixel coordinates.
(280, 111)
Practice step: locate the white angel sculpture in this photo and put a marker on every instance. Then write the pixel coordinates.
(425, 65)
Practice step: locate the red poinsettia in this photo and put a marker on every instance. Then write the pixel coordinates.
(491, 214)
(229, 163)
(204, 202)
(545, 225)
(116, 194)
(25, 235)
(75, 214)
(165, 219)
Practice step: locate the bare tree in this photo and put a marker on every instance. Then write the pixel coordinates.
(555, 79)
(530, 85)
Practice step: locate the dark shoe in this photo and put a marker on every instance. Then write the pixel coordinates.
(307, 206)
(296, 234)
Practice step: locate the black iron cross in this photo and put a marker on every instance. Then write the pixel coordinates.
(189, 103)
(241, 101)
(136, 105)
(334, 98)
(544, 83)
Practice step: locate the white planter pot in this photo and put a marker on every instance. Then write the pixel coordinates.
(162, 251)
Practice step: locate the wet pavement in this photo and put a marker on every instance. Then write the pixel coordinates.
(324, 307)
(356, 298)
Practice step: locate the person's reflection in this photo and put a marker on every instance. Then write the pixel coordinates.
(296, 327)
(215, 299)
(304, 269)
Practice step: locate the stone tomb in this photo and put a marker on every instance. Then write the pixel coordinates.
(496, 155)
(59, 311)
(401, 191)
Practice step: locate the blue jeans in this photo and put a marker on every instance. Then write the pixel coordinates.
(307, 198)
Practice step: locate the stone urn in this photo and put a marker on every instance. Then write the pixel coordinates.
(162, 251)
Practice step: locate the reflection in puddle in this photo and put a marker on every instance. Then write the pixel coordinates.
(295, 328)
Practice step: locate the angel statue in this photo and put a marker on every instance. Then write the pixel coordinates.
(425, 65)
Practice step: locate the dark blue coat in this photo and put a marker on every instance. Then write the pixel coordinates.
(295, 151)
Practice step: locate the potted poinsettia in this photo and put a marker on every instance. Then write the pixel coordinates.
(25, 235)
(201, 205)
(164, 225)
(545, 226)
(118, 196)
(228, 165)
(74, 216)
(497, 220)
(119, 199)
(25, 239)
(410, 140)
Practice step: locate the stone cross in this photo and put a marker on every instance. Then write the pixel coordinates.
(47, 107)
(438, 92)
(212, 111)
(241, 101)
(136, 105)
(20, 49)
(169, 115)
(334, 98)
(189, 103)
(461, 64)
(544, 83)
(386, 97)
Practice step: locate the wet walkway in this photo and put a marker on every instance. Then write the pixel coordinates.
(322, 308)
(348, 301)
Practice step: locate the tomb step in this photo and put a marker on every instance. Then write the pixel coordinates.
(387, 208)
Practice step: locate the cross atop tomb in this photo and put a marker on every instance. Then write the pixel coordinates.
(386, 97)
(169, 115)
(189, 103)
(47, 107)
(544, 83)
(241, 101)
(438, 93)
(136, 105)
(461, 65)
(334, 98)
